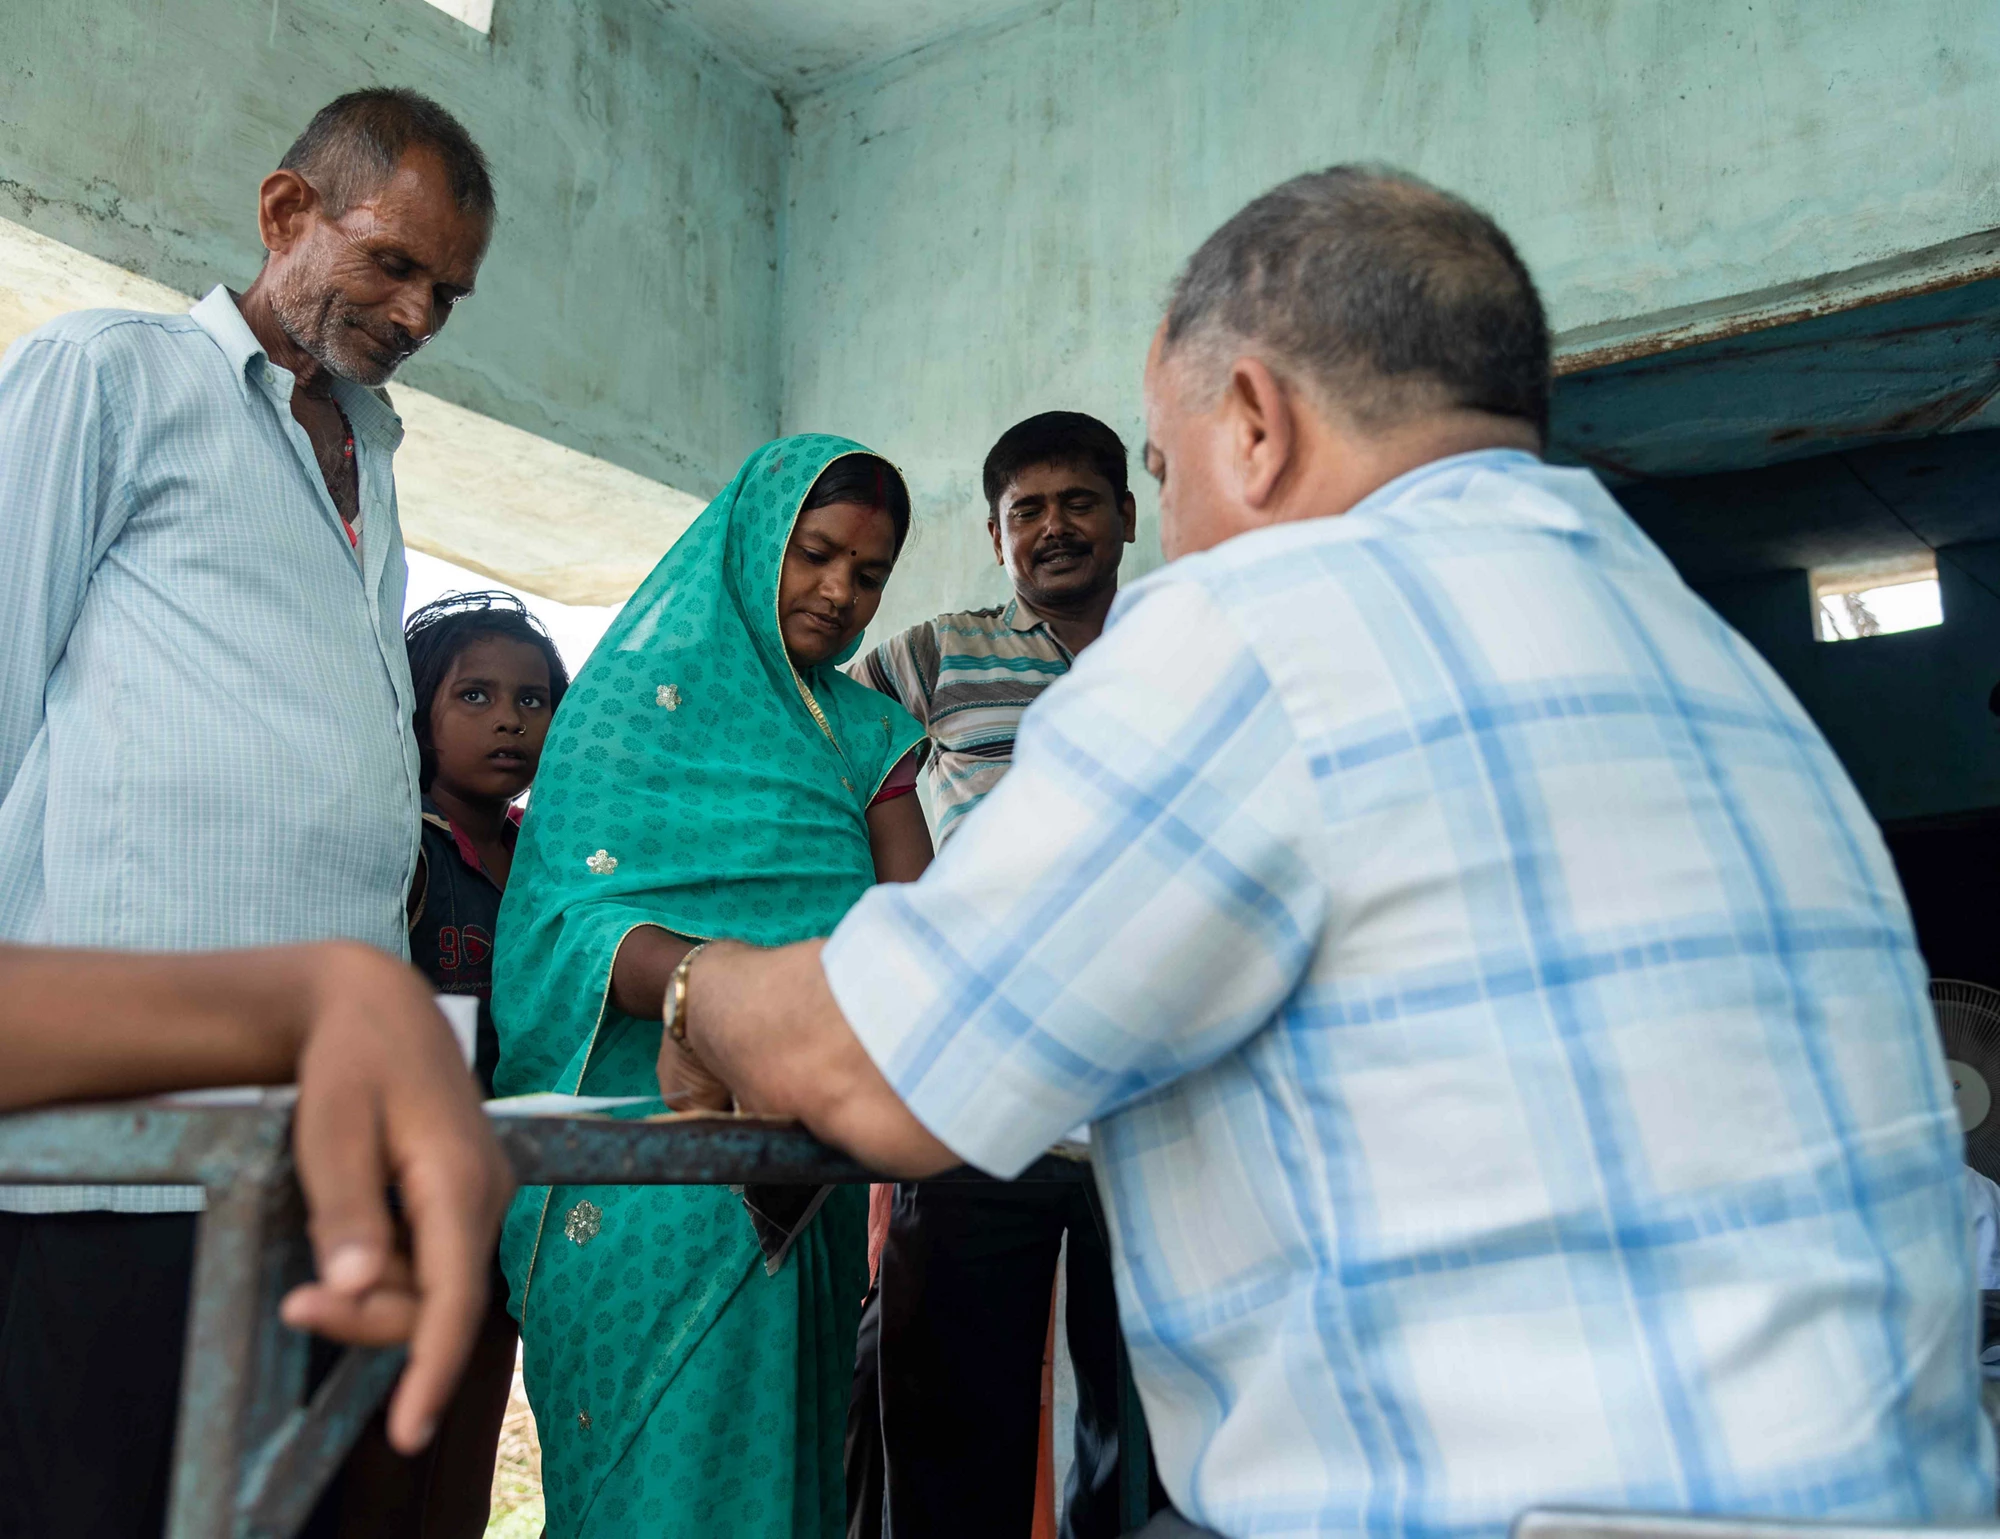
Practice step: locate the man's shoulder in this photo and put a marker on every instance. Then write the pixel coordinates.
(1207, 579)
(1191, 599)
(965, 622)
(1506, 497)
(926, 640)
(103, 332)
(111, 347)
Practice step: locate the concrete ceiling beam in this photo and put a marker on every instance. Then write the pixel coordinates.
(472, 490)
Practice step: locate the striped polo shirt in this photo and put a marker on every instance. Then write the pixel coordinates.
(967, 677)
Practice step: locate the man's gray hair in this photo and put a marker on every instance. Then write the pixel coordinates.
(355, 142)
(1390, 298)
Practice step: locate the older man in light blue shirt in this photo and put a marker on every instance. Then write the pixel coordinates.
(205, 707)
(204, 702)
(1508, 1061)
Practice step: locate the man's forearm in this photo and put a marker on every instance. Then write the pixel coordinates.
(79, 1024)
(768, 1025)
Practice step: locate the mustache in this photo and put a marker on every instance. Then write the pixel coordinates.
(399, 343)
(1062, 547)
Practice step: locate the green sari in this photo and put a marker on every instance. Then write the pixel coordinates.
(694, 779)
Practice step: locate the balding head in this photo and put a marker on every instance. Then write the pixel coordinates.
(1388, 297)
(1340, 331)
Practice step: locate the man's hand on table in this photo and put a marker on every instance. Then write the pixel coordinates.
(766, 1024)
(384, 1097)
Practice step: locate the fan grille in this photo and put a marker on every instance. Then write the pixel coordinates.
(1968, 1017)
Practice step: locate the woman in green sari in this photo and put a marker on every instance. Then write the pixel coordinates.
(711, 773)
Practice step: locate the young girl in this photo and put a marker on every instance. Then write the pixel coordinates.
(488, 680)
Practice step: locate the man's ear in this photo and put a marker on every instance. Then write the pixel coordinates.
(993, 528)
(1262, 427)
(284, 201)
(1128, 510)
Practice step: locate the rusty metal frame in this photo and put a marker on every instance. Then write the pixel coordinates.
(252, 1449)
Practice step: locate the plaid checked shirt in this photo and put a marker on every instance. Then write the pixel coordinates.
(1508, 1060)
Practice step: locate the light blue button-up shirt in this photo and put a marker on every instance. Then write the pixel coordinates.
(204, 699)
(1508, 1060)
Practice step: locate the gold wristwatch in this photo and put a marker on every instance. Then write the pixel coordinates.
(677, 1000)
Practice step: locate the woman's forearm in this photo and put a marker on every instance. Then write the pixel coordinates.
(642, 969)
(899, 839)
(640, 974)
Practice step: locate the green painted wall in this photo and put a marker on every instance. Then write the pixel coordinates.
(987, 228)
(1906, 713)
(922, 253)
(627, 308)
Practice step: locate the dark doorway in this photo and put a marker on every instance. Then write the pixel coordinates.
(1951, 874)
(1767, 453)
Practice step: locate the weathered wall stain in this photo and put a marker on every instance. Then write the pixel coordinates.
(1647, 158)
(922, 251)
(628, 306)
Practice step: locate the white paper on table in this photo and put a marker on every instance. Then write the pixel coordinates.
(234, 1095)
(462, 1012)
(548, 1103)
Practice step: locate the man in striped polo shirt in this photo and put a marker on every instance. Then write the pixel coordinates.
(1061, 517)
(961, 1310)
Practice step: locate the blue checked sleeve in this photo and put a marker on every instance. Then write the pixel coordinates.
(1133, 902)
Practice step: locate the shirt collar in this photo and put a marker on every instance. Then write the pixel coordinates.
(373, 419)
(216, 314)
(509, 833)
(1019, 617)
(1394, 491)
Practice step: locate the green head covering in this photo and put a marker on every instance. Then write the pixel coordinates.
(694, 779)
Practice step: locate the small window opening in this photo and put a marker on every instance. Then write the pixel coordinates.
(476, 14)
(1850, 603)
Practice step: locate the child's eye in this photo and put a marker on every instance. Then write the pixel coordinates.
(473, 696)
(532, 701)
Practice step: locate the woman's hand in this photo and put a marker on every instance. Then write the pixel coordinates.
(643, 968)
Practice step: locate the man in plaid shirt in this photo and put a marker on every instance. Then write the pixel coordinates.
(1509, 1063)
